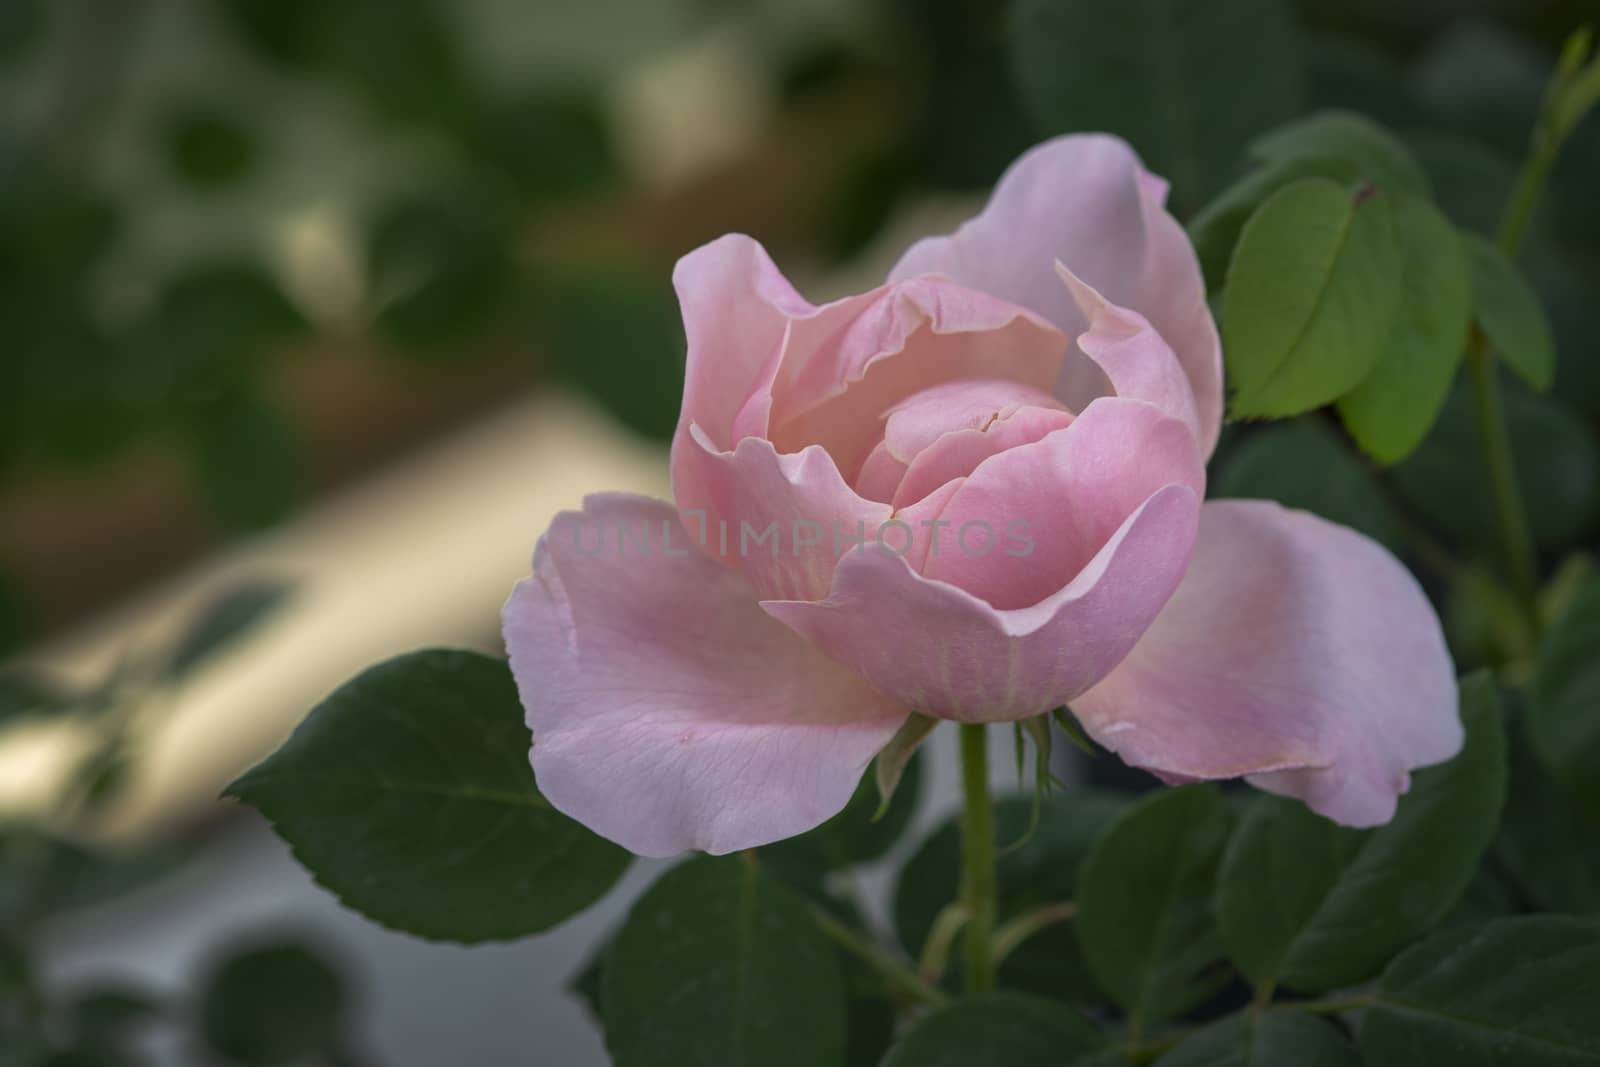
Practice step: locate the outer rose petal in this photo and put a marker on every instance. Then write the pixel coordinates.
(737, 307)
(943, 651)
(1086, 200)
(1296, 651)
(668, 711)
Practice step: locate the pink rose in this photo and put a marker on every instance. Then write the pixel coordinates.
(1015, 427)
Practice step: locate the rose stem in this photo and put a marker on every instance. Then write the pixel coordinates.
(977, 859)
(1545, 146)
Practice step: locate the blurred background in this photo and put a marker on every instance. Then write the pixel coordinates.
(313, 312)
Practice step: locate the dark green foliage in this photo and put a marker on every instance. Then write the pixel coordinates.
(273, 1004)
(407, 793)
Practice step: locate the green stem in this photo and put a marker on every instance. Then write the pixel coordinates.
(1332, 1005)
(1143, 1052)
(1495, 440)
(898, 973)
(1012, 934)
(977, 859)
(935, 957)
(1515, 537)
(1525, 197)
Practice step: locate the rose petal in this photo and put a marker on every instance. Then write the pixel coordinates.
(736, 307)
(1136, 360)
(754, 511)
(881, 474)
(765, 364)
(668, 711)
(957, 454)
(943, 433)
(1086, 200)
(1296, 651)
(1068, 492)
(902, 339)
(944, 652)
(918, 421)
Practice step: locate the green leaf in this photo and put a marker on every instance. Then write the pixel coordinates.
(214, 320)
(20, 25)
(1564, 714)
(1488, 896)
(865, 201)
(208, 149)
(18, 621)
(1392, 410)
(1578, 88)
(1360, 76)
(555, 145)
(1042, 871)
(1337, 145)
(1144, 916)
(1557, 459)
(1315, 906)
(1515, 991)
(588, 984)
(247, 459)
(1510, 315)
(972, 122)
(441, 266)
(1563, 589)
(1188, 84)
(283, 31)
(862, 832)
(1370, 152)
(869, 1026)
(1485, 624)
(16, 971)
(1069, 725)
(24, 694)
(105, 1016)
(1471, 181)
(207, 336)
(891, 763)
(403, 56)
(871, 1001)
(998, 1030)
(1483, 80)
(1036, 728)
(1265, 1039)
(23, 1027)
(616, 334)
(273, 1004)
(45, 875)
(718, 963)
(407, 794)
(230, 616)
(1312, 293)
(869, 1014)
(1273, 463)
(1215, 229)
(58, 223)
(1548, 843)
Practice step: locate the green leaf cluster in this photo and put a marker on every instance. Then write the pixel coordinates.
(1153, 923)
